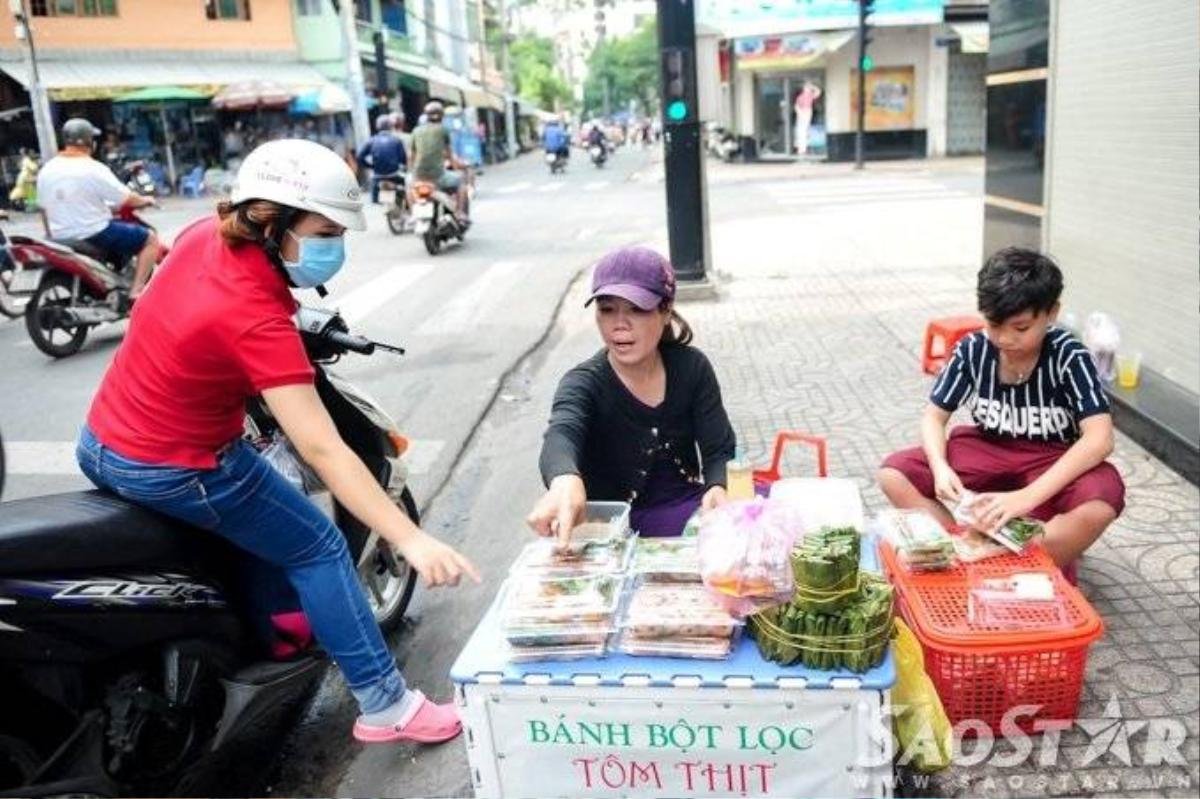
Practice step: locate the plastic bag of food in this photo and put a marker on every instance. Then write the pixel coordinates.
(1102, 337)
(919, 541)
(922, 728)
(745, 554)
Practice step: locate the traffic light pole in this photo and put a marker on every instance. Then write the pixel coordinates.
(683, 157)
(862, 86)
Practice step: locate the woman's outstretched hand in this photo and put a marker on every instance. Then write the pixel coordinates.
(560, 509)
(714, 497)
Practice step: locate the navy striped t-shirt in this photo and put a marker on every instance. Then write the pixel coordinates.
(1063, 389)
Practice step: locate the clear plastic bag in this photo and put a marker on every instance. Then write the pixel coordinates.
(745, 554)
(1018, 602)
(1102, 337)
(543, 558)
(284, 459)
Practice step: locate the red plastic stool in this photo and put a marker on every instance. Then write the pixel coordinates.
(764, 477)
(940, 337)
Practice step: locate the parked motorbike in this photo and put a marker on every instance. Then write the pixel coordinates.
(132, 173)
(599, 154)
(12, 297)
(127, 668)
(73, 286)
(723, 144)
(399, 213)
(435, 219)
(557, 162)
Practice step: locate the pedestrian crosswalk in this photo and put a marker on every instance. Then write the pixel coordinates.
(595, 185)
(513, 188)
(800, 192)
(469, 305)
(550, 188)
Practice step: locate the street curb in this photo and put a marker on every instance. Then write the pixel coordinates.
(512, 369)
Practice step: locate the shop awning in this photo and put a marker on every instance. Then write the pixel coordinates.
(794, 51)
(974, 35)
(105, 78)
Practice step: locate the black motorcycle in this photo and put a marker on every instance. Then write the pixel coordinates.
(127, 666)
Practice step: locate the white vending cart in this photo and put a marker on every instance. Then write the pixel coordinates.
(624, 726)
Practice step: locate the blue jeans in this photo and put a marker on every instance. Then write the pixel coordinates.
(246, 501)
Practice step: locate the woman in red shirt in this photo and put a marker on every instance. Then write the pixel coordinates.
(214, 328)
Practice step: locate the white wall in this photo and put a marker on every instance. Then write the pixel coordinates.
(708, 79)
(1123, 172)
(937, 86)
(892, 47)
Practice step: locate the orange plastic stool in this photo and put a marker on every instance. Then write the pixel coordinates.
(940, 337)
(764, 477)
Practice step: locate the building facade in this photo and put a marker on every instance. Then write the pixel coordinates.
(1094, 156)
(925, 86)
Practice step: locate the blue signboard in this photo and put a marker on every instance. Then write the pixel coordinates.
(740, 18)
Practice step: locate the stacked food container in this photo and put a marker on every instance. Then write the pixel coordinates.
(670, 613)
(562, 605)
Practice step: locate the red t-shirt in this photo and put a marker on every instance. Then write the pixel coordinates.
(213, 328)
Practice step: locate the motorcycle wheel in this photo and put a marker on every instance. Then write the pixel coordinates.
(398, 216)
(389, 590)
(19, 762)
(433, 244)
(55, 290)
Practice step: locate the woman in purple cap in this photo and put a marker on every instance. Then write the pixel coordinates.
(641, 421)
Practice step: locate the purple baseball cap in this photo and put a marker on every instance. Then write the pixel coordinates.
(637, 274)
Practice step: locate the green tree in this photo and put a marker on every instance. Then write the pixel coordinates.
(629, 67)
(534, 73)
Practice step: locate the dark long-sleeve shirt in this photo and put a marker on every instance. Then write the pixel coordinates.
(384, 153)
(603, 433)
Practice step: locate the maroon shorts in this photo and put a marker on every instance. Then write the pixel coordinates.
(988, 464)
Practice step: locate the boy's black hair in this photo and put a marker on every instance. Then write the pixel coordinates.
(1015, 280)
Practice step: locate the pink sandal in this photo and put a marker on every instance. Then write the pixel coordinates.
(426, 723)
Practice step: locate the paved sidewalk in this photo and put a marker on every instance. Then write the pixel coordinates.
(822, 334)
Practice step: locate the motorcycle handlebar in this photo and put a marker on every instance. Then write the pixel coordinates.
(346, 341)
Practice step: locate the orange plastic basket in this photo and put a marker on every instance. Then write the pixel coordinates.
(982, 674)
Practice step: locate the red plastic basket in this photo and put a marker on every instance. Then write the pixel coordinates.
(982, 674)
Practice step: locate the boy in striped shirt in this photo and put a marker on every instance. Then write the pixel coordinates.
(1041, 424)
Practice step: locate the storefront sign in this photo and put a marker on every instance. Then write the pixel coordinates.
(737, 18)
(795, 51)
(812, 744)
(890, 98)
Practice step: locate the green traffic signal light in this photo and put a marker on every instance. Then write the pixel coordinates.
(677, 110)
(868, 63)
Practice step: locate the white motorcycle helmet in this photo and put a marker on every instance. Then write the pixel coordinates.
(302, 174)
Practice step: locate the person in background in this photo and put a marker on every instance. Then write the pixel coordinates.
(1041, 425)
(556, 140)
(384, 153)
(642, 420)
(430, 154)
(79, 195)
(806, 98)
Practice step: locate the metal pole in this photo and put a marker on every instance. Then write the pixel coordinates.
(862, 87)
(354, 75)
(39, 104)
(683, 159)
(510, 116)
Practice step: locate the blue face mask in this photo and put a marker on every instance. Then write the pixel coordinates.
(320, 260)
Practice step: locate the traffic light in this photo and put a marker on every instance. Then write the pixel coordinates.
(865, 9)
(679, 85)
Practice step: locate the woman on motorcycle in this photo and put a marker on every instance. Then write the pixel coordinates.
(213, 328)
(627, 424)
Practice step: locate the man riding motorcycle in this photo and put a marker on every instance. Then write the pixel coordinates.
(555, 140)
(79, 194)
(165, 428)
(431, 150)
(384, 153)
